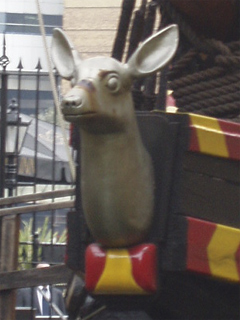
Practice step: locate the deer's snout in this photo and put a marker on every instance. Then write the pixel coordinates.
(71, 101)
(74, 99)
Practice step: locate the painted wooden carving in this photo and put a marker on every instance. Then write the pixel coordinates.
(117, 181)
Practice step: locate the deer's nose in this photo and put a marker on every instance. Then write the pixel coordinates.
(71, 101)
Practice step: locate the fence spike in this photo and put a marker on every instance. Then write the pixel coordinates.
(4, 61)
(20, 66)
(39, 66)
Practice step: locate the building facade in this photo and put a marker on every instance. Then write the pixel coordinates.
(19, 25)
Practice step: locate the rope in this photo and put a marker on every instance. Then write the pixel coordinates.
(207, 91)
(203, 86)
(205, 79)
(213, 91)
(195, 78)
(54, 90)
(228, 111)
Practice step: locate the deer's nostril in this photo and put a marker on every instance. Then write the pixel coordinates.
(71, 102)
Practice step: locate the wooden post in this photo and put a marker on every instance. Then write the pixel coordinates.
(8, 262)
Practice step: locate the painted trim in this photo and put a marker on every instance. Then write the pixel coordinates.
(121, 271)
(213, 249)
(215, 137)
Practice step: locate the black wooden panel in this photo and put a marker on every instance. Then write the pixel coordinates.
(211, 189)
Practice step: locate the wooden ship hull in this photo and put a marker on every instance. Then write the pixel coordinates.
(194, 270)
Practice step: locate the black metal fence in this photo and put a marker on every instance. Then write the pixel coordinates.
(32, 157)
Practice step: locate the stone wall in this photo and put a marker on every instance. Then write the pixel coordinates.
(92, 24)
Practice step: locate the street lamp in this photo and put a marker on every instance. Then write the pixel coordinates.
(4, 61)
(15, 133)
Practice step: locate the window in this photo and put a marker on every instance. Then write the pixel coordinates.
(23, 23)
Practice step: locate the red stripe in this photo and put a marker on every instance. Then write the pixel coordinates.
(144, 266)
(194, 144)
(95, 263)
(231, 131)
(237, 257)
(199, 235)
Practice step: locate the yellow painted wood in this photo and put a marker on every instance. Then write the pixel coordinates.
(222, 252)
(210, 136)
(117, 275)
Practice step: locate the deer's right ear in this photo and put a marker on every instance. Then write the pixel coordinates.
(154, 53)
(63, 54)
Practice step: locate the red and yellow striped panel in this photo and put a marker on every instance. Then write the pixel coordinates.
(215, 137)
(121, 271)
(213, 249)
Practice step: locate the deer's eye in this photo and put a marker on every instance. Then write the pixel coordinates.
(113, 83)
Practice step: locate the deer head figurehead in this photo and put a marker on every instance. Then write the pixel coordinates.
(100, 99)
(117, 179)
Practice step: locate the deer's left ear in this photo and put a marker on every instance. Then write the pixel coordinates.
(64, 55)
(154, 53)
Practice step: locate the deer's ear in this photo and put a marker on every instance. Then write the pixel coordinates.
(154, 53)
(63, 54)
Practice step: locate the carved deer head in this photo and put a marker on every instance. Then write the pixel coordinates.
(117, 182)
(101, 85)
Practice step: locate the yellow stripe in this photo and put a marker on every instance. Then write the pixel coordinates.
(221, 252)
(210, 136)
(117, 275)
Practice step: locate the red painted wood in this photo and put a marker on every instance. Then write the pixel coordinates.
(194, 144)
(144, 266)
(237, 256)
(231, 131)
(199, 235)
(95, 263)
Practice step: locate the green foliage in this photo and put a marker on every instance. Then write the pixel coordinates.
(45, 235)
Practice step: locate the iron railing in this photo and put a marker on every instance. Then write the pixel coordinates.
(40, 165)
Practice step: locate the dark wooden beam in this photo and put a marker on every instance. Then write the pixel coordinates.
(210, 189)
(34, 277)
(37, 196)
(37, 207)
(8, 262)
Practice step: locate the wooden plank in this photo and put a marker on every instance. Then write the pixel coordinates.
(9, 243)
(8, 262)
(37, 207)
(37, 196)
(35, 277)
(219, 168)
(210, 198)
(7, 305)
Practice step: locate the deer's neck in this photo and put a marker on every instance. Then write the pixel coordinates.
(116, 186)
(112, 145)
